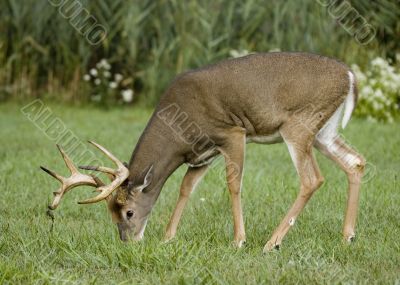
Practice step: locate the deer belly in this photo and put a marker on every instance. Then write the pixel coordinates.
(203, 159)
(268, 139)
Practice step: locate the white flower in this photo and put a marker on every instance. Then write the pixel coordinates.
(379, 93)
(103, 63)
(118, 77)
(127, 95)
(359, 74)
(97, 81)
(107, 74)
(113, 85)
(86, 77)
(202, 199)
(380, 62)
(93, 72)
(367, 90)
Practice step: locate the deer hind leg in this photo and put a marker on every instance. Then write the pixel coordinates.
(310, 180)
(233, 151)
(353, 165)
(191, 179)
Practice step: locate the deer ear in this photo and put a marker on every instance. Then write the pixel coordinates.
(148, 177)
(146, 182)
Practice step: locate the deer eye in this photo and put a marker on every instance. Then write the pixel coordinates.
(129, 214)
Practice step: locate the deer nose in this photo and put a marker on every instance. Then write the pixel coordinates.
(122, 233)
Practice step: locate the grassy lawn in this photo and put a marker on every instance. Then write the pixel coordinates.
(84, 247)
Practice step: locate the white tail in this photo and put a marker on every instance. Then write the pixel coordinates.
(349, 102)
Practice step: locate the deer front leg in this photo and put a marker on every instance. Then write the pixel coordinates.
(189, 182)
(310, 180)
(233, 152)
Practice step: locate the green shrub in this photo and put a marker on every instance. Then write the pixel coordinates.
(379, 91)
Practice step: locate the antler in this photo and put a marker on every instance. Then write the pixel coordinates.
(78, 179)
(120, 174)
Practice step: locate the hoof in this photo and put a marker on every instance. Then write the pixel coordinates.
(351, 239)
(239, 244)
(167, 239)
(269, 247)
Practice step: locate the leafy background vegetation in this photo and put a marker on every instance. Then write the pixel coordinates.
(41, 54)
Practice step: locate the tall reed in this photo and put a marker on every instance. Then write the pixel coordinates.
(150, 41)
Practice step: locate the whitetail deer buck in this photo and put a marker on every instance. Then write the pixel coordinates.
(297, 98)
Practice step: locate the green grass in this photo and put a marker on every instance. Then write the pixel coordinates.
(83, 246)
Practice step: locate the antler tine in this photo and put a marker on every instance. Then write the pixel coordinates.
(52, 173)
(108, 154)
(101, 183)
(57, 197)
(99, 168)
(98, 181)
(67, 160)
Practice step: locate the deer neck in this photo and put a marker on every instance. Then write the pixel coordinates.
(156, 147)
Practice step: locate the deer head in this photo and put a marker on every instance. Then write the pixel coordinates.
(130, 207)
(121, 196)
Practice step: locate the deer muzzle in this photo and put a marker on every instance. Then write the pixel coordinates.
(124, 232)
